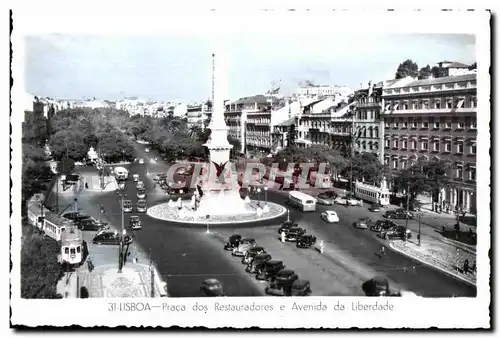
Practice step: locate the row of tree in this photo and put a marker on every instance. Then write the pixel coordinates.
(410, 68)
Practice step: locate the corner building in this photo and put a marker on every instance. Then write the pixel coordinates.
(435, 119)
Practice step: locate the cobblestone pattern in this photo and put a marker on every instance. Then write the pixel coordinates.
(164, 212)
(440, 256)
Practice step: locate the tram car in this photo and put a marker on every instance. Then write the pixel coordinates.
(53, 226)
(71, 247)
(36, 212)
(372, 193)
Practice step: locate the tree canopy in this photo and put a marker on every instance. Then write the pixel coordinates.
(407, 68)
(425, 72)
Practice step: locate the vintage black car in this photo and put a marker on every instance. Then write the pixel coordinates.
(88, 224)
(398, 232)
(382, 225)
(251, 253)
(301, 287)
(330, 194)
(135, 223)
(293, 234)
(281, 283)
(306, 241)
(109, 237)
(375, 207)
(234, 241)
(376, 287)
(258, 263)
(212, 288)
(75, 216)
(395, 214)
(270, 269)
(286, 225)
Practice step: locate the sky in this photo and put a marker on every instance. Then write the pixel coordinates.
(178, 67)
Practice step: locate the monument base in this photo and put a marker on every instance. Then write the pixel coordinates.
(223, 202)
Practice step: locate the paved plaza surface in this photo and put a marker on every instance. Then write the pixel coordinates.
(186, 256)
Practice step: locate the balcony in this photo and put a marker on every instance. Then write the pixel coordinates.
(369, 104)
(432, 111)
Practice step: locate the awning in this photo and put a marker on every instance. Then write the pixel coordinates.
(424, 137)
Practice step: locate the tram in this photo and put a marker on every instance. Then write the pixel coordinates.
(53, 226)
(36, 212)
(71, 247)
(370, 193)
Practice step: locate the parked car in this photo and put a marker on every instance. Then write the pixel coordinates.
(234, 241)
(381, 225)
(306, 241)
(141, 161)
(347, 200)
(127, 206)
(212, 288)
(141, 193)
(287, 225)
(301, 287)
(135, 177)
(135, 223)
(75, 216)
(258, 263)
(108, 237)
(270, 269)
(403, 212)
(281, 283)
(293, 234)
(330, 194)
(323, 201)
(330, 216)
(375, 207)
(376, 287)
(243, 246)
(353, 201)
(139, 185)
(395, 214)
(363, 223)
(88, 224)
(398, 232)
(251, 253)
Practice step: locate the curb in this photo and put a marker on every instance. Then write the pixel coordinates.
(470, 249)
(432, 266)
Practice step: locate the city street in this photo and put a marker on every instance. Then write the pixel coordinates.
(185, 255)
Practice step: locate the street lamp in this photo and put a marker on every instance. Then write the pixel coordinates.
(265, 193)
(208, 225)
(258, 196)
(120, 253)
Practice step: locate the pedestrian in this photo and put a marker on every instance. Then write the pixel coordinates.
(86, 185)
(466, 266)
(474, 267)
(90, 264)
(382, 252)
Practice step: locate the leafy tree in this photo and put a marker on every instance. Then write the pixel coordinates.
(407, 68)
(68, 142)
(425, 72)
(439, 72)
(366, 167)
(65, 166)
(40, 270)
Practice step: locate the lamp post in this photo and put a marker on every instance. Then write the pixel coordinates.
(265, 193)
(208, 225)
(288, 215)
(120, 253)
(419, 232)
(258, 196)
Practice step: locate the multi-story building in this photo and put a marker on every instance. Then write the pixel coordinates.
(435, 119)
(197, 114)
(453, 68)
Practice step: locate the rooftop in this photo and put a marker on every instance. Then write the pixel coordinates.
(440, 80)
(457, 65)
(288, 122)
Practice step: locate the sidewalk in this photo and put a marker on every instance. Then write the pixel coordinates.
(94, 183)
(439, 255)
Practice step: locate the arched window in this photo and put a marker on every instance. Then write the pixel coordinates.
(376, 131)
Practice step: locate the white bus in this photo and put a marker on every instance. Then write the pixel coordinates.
(372, 193)
(302, 201)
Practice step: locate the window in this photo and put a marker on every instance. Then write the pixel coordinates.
(404, 144)
(376, 131)
(371, 132)
(387, 143)
(460, 125)
(473, 123)
(66, 250)
(78, 249)
(414, 144)
(447, 146)
(405, 105)
(396, 144)
(473, 102)
(437, 104)
(414, 124)
(396, 124)
(425, 104)
(394, 164)
(472, 174)
(425, 145)
(387, 125)
(473, 149)
(386, 161)
(447, 125)
(459, 173)
(435, 146)
(370, 145)
(403, 164)
(449, 103)
(460, 147)
(425, 125)
(405, 125)
(436, 125)
(414, 105)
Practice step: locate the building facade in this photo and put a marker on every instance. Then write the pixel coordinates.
(435, 119)
(325, 91)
